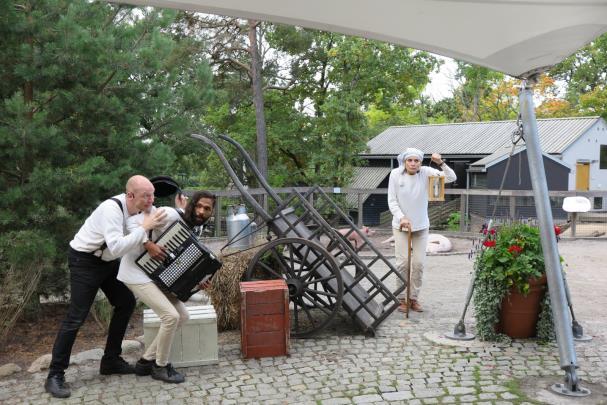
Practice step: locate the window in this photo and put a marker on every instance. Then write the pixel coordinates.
(603, 158)
(479, 180)
(598, 203)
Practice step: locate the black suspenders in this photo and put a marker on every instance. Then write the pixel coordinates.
(102, 247)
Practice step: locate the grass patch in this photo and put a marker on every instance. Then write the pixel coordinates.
(514, 388)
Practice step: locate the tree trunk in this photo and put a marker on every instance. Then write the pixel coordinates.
(260, 119)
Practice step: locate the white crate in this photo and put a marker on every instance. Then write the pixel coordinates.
(195, 343)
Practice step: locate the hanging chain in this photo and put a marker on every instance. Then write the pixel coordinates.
(517, 134)
(516, 137)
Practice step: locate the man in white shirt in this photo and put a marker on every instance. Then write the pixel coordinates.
(93, 260)
(408, 203)
(171, 312)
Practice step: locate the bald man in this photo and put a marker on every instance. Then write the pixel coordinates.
(93, 259)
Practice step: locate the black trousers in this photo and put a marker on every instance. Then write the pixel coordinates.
(88, 274)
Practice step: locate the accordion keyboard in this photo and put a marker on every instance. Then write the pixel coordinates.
(172, 240)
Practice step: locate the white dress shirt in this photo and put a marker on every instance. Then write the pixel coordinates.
(107, 224)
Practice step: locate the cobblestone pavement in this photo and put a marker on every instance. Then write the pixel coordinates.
(406, 362)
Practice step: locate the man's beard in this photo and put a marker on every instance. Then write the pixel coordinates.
(199, 221)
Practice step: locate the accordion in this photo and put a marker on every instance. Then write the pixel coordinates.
(188, 262)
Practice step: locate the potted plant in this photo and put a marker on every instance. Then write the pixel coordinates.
(510, 285)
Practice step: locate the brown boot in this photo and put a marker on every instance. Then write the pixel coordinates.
(415, 306)
(403, 306)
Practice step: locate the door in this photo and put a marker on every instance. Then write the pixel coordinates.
(582, 176)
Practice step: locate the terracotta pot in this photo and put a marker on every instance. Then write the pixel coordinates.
(519, 313)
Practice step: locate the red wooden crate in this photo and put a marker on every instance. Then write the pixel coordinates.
(264, 318)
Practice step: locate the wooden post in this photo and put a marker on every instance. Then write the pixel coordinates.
(265, 201)
(360, 210)
(463, 212)
(512, 207)
(410, 264)
(311, 199)
(217, 214)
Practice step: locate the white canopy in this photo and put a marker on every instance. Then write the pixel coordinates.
(516, 37)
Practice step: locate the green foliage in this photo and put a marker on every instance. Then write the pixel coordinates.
(584, 71)
(318, 87)
(545, 323)
(509, 259)
(515, 258)
(453, 221)
(595, 102)
(91, 93)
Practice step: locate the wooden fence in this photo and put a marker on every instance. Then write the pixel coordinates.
(513, 204)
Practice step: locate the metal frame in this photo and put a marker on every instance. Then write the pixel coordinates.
(366, 298)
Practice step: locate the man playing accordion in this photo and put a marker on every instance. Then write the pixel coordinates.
(170, 310)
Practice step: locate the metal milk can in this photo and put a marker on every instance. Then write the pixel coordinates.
(239, 227)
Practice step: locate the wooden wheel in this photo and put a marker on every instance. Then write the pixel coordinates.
(312, 276)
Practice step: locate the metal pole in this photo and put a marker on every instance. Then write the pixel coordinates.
(556, 286)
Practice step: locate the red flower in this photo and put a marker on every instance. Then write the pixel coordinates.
(489, 243)
(557, 230)
(492, 231)
(515, 248)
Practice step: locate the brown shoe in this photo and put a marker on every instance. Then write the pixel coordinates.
(403, 305)
(415, 306)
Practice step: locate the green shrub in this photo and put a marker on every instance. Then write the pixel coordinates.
(453, 221)
(509, 258)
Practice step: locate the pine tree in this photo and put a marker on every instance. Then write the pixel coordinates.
(91, 93)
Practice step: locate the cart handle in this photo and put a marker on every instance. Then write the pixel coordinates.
(245, 194)
(253, 168)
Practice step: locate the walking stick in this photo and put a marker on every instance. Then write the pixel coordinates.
(409, 248)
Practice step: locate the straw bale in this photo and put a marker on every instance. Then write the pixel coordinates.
(225, 291)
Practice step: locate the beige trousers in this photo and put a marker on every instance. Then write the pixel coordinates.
(172, 313)
(418, 258)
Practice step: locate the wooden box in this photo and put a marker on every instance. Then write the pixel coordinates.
(195, 343)
(264, 318)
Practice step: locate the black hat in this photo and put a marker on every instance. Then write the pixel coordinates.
(164, 186)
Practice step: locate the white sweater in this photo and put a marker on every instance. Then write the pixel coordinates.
(408, 195)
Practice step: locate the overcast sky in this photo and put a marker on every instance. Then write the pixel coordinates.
(442, 83)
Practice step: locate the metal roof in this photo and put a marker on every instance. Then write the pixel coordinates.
(366, 177)
(476, 138)
(502, 154)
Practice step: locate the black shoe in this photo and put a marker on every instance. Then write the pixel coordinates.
(115, 365)
(166, 374)
(56, 386)
(144, 367)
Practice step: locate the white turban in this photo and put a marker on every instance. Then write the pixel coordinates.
(400, 159)
(411, 152)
